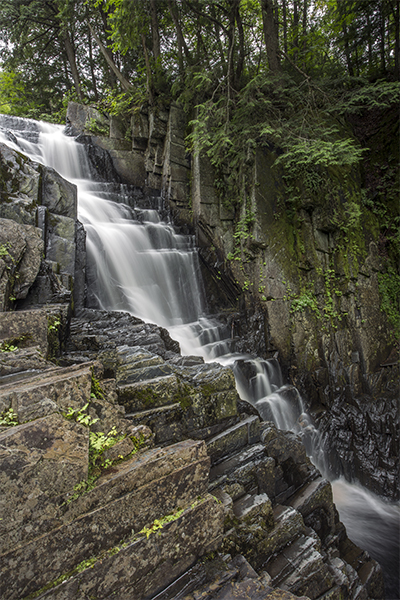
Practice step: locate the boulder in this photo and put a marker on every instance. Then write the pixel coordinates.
(21, 252)
(42, 327)
(19, 186)
(58, 194)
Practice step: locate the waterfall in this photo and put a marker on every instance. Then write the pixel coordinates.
(138, 262)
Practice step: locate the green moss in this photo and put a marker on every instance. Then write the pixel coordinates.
(389, 289)
(54, 325)
(147, 397)
(95, 389)
(97, 128)
(8, 418)
(12, 344)
(185, 401)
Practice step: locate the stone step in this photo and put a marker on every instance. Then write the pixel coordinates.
(276, 528)
(165, 421)
(125, 360)
(369, 570)
(233, 439)
(40, 461)
(237, 468)
(41, 327)
(144, 488)
(145, 373)
(152, 393)
(22, 363)
(141, 567)
(48, 392)
(226, 579)
(247, 507)
(315, 503)
(101, 330)
(300, 568)
(219, 577)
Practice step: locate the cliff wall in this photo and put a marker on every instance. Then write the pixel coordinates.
(310, 280)
(122, 466)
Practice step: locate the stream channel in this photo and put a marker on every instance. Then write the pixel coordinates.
(138, 262)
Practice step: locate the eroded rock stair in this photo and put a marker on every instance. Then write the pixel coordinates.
(217, 481)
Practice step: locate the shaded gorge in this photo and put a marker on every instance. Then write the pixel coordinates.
(139, 262)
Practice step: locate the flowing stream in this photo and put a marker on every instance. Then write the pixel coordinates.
(139, 263)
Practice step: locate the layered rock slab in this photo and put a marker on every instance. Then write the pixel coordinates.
(38, 460)
(43, 327)
(141, 568)
(46, 393)
(166, 479)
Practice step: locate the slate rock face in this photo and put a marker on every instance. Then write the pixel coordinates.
(42, 248)
(58, 195)
(39, 460)
(53, 391)
(19, 187)
(22, 360)
(21, 251)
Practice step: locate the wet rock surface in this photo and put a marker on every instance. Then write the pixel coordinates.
(365, 444)
(152, 513)
(129, 519)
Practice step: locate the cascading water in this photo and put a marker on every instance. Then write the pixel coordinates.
(138, 263)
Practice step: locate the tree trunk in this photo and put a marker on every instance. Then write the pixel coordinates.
(231, 33)
(369, 42)
(240, 59)
(396, 12)
(270, 35)
(72, 63)
(284, 19)
(296, 31)
(124, 82)
(304, 32)
(382, 38)
(149, 77)
(179, 35)
(155, 34)
(91, 64)
(347, 51)
(217, 30)
(112, 79)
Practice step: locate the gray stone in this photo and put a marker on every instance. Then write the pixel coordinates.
(19, 177)
(81, 117)
(35, 327)
(146, 566)
(39, 460)
(173, 478)
(56, 390)
(20, 259)
(315, 503)
(231, 440)
(140, 128)
(301, 570)
(151, 393)
(58, 194)
(129, 166)
(117, 128)
(20, 360)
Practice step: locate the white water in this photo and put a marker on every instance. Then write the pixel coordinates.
(143, 266)
(374, 525)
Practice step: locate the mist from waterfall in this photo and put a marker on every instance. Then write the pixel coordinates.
(138, 262)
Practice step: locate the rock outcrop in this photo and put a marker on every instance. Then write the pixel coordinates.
(126, 469)
(81, 520)
(303, 285)
(42, 244)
